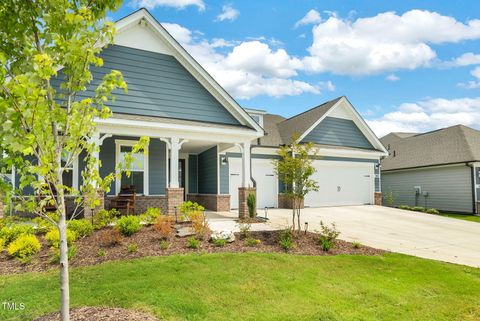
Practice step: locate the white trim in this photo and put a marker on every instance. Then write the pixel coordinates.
(196, 70)
(349, 153)
(388, 171)
(475, 187)
(146, 172)
(75, 173)
(364, 128)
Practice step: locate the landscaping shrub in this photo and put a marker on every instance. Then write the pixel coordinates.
(24, 247)
(12, 232)
(132, 248)
(188, 208)
(418, 209)
(55, 254)
(432, 211)
(200, 225)
(405, 207)
(53, 237)
(164, 244)
(109, 237)
(101, 253)
(128, 225)
(2, 245)
(81, 228)
(285, 239)
(150, 215)
(356, 245)
(327, 236)
(219, 242)
(43, 226)
(244, 229)
(251, 204)
(163, 226)
(250, 241)
(103, 217)
(193, 243)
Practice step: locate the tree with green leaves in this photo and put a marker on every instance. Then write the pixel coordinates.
(47, 118)
(294, 169)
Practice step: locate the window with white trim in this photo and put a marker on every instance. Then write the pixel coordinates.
(70, 171)
(138, 168)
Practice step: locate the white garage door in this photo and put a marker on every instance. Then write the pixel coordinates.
(342, 183)
(263, 174)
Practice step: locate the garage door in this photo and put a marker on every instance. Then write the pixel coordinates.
(342, 183)
(263, 174)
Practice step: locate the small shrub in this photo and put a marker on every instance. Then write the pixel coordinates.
(11, 233)
(327, 236)
(432, 211)
(163, 226)
(103, 218)
(2, 245)
(418, 209)
(128, 225)
(245, 229)
(405, 207)
(250, 241)
(150, 215)
(219, 242)
(110, 237)
(101, 253)
(193, 243)
(132, 248)
(164, 245)
(356, 245)
(53, 238)
(43, 226)
(24, 247)
(188, 208)
(55, 254)
(285, 239)
(81, 228)
(389, 198)
(200, 225)
(251, 204)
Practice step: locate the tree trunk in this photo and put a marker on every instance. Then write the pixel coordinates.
(64, 277)
(293, 214)
(298, 218)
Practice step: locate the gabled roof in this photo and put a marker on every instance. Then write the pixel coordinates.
(300, 123)
(272, 133)
(143, 16)
(456, 144)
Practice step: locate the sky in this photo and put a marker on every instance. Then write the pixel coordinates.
(409, 66)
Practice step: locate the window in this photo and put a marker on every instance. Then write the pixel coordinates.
(138, 169)
(70, 173)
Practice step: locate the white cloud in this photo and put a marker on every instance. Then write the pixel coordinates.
(248, 68)
(228, 13)
(428, 115)
(328, 85)
(472, 84)
(384, 42)
(179, 4)
(312, 17)
(392, 78)
(467, 59)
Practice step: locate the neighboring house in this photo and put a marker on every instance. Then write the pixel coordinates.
(206, 148)
(438, 169)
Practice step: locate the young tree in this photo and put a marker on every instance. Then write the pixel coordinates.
(47, 118)
(294, 169)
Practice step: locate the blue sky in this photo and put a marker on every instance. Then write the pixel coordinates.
(405, 65)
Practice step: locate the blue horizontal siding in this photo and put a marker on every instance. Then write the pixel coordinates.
(207, 171)
(158, 85)
(338, 132)
(193, 174)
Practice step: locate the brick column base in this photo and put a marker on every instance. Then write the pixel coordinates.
(174, 199)
(88, 212)
(242, 200)
(287, 202)
(378, 198)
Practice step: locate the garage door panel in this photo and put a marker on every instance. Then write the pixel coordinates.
(342, 183)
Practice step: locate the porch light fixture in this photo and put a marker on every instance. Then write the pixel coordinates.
(224, 160)
(306, 227)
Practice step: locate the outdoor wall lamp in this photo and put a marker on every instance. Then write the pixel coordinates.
(224, 160)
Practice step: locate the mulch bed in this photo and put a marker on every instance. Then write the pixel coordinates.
(148, 242)
(100, 314)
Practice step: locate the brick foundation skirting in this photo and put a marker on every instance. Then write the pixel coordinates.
(174, 198)
(144, 202)
(212, 202)
(287, 202)
(242, 200)
(378, 198)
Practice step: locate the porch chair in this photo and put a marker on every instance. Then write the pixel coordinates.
(125, 200)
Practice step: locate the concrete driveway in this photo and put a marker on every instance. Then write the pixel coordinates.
(419, 234)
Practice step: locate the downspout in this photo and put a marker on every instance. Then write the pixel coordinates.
(474, 188)
(251, 171)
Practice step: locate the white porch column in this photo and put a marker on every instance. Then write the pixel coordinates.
(174, 144)
(246, 182)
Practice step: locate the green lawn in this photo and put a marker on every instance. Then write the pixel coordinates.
(471, 218)
(262, 287)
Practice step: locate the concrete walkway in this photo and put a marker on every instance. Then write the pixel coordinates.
(423, 235)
